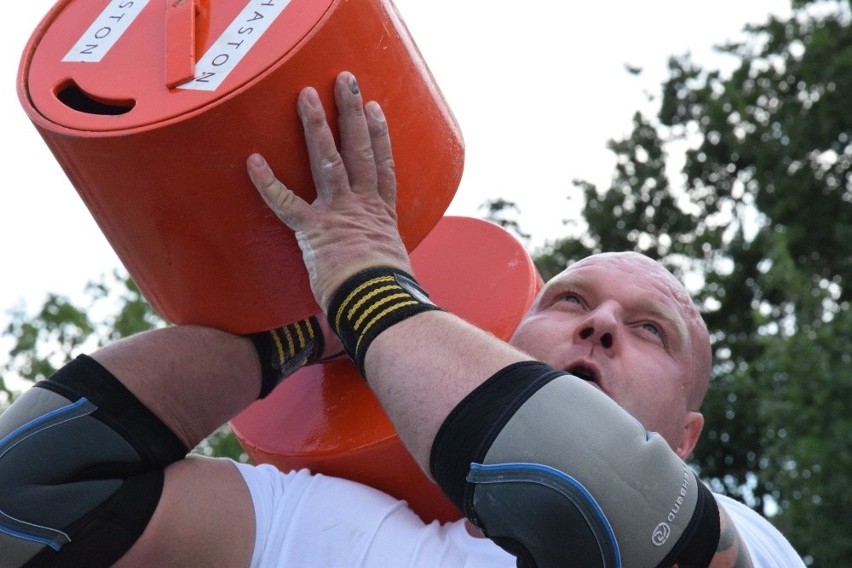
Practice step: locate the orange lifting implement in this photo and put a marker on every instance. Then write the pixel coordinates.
(152, 107)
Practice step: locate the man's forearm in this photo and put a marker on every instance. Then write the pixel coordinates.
(421, 368)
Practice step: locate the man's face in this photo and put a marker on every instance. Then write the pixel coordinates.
(624, 323)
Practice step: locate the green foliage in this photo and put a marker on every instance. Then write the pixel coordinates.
(503, 213)
(761, 228)
(807, 462)
(45, 342)
(61, 330)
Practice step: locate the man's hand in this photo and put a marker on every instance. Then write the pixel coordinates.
(419, 368)
(352, 224)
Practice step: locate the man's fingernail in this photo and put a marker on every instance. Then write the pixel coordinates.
(311, 98)
(375, 111)
(353, 85)
(257, 160)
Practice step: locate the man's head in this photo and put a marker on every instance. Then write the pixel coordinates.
(625, 323)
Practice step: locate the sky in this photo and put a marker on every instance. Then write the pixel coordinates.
(537, 88)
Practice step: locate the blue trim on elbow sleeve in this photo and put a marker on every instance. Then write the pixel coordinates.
(513, 469)
(74, 410)
(59, 540)
(582, 501)
(17, 528)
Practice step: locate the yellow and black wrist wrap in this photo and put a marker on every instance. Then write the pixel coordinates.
(371, 301)
(284, 350)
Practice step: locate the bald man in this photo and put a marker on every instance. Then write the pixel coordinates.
(564, 447)
(662, 344)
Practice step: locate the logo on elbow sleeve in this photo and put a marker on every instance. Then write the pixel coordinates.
(663, 530)
(661, 534)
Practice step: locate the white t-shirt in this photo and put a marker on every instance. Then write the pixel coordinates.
(766, 545)
(314, 521)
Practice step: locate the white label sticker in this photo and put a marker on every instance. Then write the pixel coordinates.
(234, 43)
(104, 32)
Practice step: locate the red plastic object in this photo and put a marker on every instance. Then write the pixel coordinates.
(326, 419)
(161, 165)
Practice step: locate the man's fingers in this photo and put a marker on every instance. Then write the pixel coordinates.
(355, 143)
(327, 166)
(383, 155)
(288, 206)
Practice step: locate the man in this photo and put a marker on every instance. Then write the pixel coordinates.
(540, 457)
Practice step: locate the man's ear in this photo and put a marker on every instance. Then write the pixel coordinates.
(691, 433)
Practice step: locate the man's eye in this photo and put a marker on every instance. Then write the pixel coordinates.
(572, 299)
(653, 328)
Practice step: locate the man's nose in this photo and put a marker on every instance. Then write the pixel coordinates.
(600, 327)
(605, 338)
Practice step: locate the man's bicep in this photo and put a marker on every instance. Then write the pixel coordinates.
(205, 517)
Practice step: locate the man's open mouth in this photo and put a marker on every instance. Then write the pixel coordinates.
(583, 372)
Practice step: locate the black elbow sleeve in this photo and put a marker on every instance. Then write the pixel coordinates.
(558, 474)
(81, 469)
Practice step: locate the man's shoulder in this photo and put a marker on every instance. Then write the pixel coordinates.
(766, 545)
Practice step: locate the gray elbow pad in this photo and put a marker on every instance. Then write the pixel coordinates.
(81, 470)
(558, 474)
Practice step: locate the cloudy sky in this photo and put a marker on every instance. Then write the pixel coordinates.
(538, 87)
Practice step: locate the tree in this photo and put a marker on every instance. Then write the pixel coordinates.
(504, 213)
(761, 226)
(61, 330)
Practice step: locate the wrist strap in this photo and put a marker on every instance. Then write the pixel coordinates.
(284, 350)
(371, 301)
